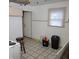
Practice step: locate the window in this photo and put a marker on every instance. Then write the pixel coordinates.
(56, 16)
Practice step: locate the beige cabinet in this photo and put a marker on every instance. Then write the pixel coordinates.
(13, 11)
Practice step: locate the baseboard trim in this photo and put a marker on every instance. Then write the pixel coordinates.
(28, 37)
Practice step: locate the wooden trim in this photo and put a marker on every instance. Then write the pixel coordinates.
(23, 23)
(13, 11)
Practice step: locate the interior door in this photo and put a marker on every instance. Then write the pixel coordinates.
(27, 20)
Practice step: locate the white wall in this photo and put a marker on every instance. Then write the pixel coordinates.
(15, 22)
(40, 22)
(15, 27)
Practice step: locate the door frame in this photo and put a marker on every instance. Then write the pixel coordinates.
(23, 23)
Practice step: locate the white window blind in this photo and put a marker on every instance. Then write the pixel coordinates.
(56, 16)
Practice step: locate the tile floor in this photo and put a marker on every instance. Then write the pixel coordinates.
(35, 50)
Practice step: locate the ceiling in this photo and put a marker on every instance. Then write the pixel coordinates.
(42, 2)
